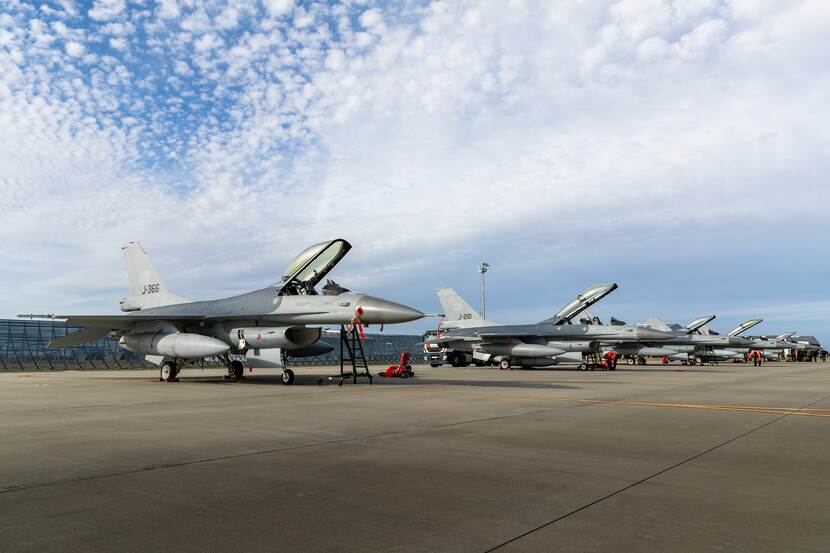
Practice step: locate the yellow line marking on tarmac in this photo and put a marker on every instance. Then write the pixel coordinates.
(706, 406)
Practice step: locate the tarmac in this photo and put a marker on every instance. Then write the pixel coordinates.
(646, 458)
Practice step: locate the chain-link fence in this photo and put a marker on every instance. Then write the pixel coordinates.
(23, 347)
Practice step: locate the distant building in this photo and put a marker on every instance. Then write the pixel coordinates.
(23, 347)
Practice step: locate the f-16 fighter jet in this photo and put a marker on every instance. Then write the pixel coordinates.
(687, 343)
(534, 344)
(732, 351)
(268, 323)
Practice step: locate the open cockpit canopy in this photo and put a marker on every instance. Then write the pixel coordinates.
(696, 324)
(582, 302)
(311, 266)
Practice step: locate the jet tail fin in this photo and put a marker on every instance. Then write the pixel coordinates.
(657, 324)
(459, 313)
(147, 288)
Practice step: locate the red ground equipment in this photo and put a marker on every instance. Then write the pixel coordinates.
(403, 369)
(609, 360)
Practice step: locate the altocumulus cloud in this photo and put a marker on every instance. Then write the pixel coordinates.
(226, 136)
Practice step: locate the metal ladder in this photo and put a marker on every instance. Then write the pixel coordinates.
(351, 353)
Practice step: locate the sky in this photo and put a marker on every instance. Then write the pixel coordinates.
(679, 148)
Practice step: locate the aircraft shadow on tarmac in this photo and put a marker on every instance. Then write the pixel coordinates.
(323, 380)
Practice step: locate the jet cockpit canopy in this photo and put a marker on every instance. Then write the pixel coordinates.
(582, 302)
(311, 266)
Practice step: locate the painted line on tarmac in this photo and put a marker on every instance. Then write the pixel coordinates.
(803, 412)
(648, 478)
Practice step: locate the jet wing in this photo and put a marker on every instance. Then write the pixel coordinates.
(513, 335)
(84, 336)
(119, 322)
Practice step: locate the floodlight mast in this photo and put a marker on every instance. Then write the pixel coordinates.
(482, 268)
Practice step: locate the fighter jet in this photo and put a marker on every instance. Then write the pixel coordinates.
(687, 343)
(727, 352)
(263, 325)
(534, 344)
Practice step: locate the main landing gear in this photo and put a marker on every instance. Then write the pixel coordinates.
(236, 370)
(505, 364)
(168, 371)
(287, 374)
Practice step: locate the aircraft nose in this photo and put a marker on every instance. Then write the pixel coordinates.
(644, 333)
(380, 311)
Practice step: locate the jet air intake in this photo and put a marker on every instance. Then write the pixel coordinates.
(180, 344)
(264, 337)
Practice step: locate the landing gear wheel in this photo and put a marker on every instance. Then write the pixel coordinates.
(641, 360)
(629, 361)
(434, 365)
(236, 370)
(505, 364)
(287, 377)
(168, 372)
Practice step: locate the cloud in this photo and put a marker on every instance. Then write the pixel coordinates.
(207, 41)
(277, 8)
(103, 10)
(554, 136)
(75, 49)
(371, 18)
(168, 9)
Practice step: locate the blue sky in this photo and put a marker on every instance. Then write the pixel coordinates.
(679, 148)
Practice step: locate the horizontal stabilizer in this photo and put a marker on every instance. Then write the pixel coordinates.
(84, 336)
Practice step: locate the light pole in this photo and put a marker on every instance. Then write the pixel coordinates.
(482, 306)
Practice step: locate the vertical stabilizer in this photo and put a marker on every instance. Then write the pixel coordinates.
(459, 313)
(657, 324)
(146, 287)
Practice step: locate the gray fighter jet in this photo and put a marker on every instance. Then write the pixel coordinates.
(263, 325)
(687, 343)
(537, 344)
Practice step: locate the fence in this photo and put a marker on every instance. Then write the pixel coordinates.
(23, 347)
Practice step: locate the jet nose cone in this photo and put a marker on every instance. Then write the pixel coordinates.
(380, 311)
(644, 333)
